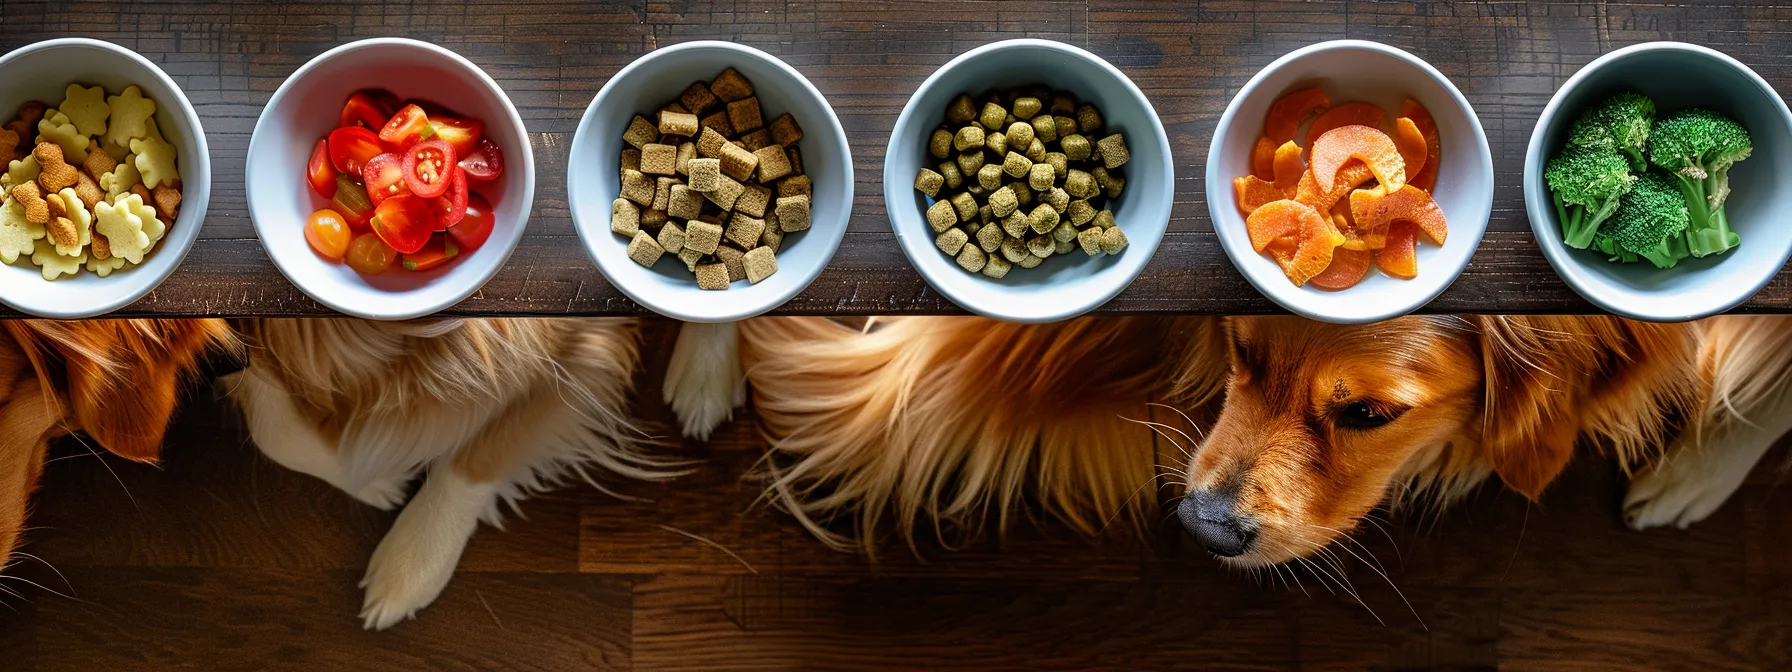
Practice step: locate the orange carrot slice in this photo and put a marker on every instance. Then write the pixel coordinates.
(1348, 114)
(1427, 177)
(1345, 221)
(1400, 257)
(1372, 146)
(1288, 167)
(1291, 110)
(1352, 175)
(1254, 193)
(1414, 149)
(1348, 268)
(1263, 159)
(1375, 210)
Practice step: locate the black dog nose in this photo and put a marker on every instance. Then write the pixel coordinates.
(1211, 519)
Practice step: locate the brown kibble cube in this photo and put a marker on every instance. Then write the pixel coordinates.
(969, 162)
(719, 123)
(1042, 247)
(951, 241)
(732, 259)
(671, 238)
(1113, 151)
(737, 162)
(697, 98)
(712, 277)
(990, 238)
(996, 267)
(926, 182)
(785, 130)
(744, 115)
(793, 213)
(640, 132)
(940, 143)
(773, 163)
(644, 249)
(773, 237)
(756, 140)
(167, 199)
(1027, 106)
(1014, 250)
(941, 215)
(1020, 134)
(1064, 234)
(989, 177)
(1044, 129)
(711, 144)
(637, 187)
(658, 159)
(744, 230)
(1065, 124)
(631, 159)
(1112, 240)
(1081, 212)
(761, 263)
(727, 191)
(966, 205)
(1043, 219)
(702, 236)
(972, 258)
(1002, 202)
(98, 164)
(706, 174)
(686, 152)
(795, 186)
(88, 190)
(996, 142)
(690, 258)
(753, 201)
(1015, 224)
(796, 160)
(961, 109)
(662, 193)
(1036, 151)
(954, 176)
(652, 219)
(731, 85)
(677, 123)
(682, 202)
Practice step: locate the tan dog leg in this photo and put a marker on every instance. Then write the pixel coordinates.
(291, 440)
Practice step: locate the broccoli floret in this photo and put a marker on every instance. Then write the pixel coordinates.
(1698, 147)
(1586, 183)
(1651, 221)
(1622, 121)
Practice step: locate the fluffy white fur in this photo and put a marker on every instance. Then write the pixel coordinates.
(704, 381)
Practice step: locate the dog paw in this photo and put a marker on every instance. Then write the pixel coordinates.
(384, 495)
(400, 581)
(1677, 492)
(704, 381)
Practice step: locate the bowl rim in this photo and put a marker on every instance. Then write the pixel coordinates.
(422, 308)
(146, 281)
(1234, 243)
(1542, 217)
(1121, 277)
(591, 235)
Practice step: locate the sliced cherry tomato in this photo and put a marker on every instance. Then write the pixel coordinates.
(404, 222)
(408, 127)
(461, 134)
(319, 172)
(473, 229)
(351, 148)
(439, 250)
(370, 255)
(366, 109)
(485, 163)
(428, 167)
(351, 202)
(384, 177)
(451, 206)
(328, 234)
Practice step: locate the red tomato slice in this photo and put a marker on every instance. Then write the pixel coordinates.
(451, 206)
(404, 222)
(439, 250)
(461, 134)
(319, 172)
(366, 109)
(408, 127)
(384, 177)
(473, 229)
(485, 163)
(428, 167)
(351, 148)
(351, 202)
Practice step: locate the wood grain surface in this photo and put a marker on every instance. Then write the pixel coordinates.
(220, 560)
(1190, 58)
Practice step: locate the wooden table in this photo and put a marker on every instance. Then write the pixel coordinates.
(1189, 57)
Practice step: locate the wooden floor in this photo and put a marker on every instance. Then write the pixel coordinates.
(222, 561)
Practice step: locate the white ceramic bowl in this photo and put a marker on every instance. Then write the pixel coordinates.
(1064, 286)
(1677, 76)
(593, 179)
(1355, 70)
(305, 108)
(43, 71)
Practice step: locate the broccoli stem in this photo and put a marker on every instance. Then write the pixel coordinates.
(1638, 162)
(1707, 233)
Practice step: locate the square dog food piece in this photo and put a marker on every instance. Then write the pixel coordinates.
(961, 109)
(1040, 176)
(640, 132)
(756, 140)
(1064, 233)
(785, 131)
(1002, 202)
(662, 193)
(1014, 250)
(989, 177)
(966, 205)
(796, 186)
(1112, 240)
(1088, 119)
(625, 217)
(793, 213)
(686, 152)
(1015, 165)
(1020, 134)
(711, 144)
(1065, 124)
(637, 187)
(1042, 247)
(737, 162)
(658, 159)
(996, 142)
(682, 202)
(972, 258)
(725, 194)
(1113, 151)
(1015, 225)
(1105, 219)
(990, 238)
(753, 201)
(675, 107)
(1111, 184)
(1044, 129)
(996, 267)
(719, 123)
(941, 215)
(796, 160)
(940, 143)
(968, 138)
(690, 258)
(773, 237)
(652, 219)
(773, 163)
(631, 159)
(706, 174)
(678, 123)
(644, 250)
(697, 98)
(744, 231)
(952, 241)
(731, 258)
(1043, 219)
(761, 263)
(926, 182)
(744, 114)
(1027, 106)
(702, 237)
(1076, 147)
(1090, 239)
(731, 85)
(671, 238)
(712, 276)
(1081, 212)
(992, 117)
(1080, 184)
(954, 176)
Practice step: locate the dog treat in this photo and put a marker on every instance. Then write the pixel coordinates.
(711, 276)
(671, 238)
(644, 249)
(677, 123)
(658, 159)
(1024, 178)
(760, 264)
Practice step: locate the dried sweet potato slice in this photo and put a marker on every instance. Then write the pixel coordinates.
(1414, 149)
(1372, 146)
(1288, 167)
(1277, 221)
(1263, 159)
(1254, 193)
(1427, 176)
(1347, 114)
(1374, 210)
(1400, 258)
(1291, 110)
(1274, 225)
(1346, 225)
(1354, 174)
(1348, 268)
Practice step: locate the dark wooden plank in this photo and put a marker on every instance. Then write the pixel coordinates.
(1190, 58)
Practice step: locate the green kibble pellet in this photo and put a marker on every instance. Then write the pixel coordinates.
(1090, 240)
(954, 176)
(1002, 202)
(1014, 250)
(1076, 147)
(1027, 106)
(941, 216)
(966, 206)
(1114, 186)
(1105, 219)
(990, 238)
(1058, 198)
(1020, 134)
(1008, 120)
(1063, 102)
(990, 177)
(1029, 261)
(972, 258)
(1113, 151)
(940, 144)
(976, 189)
(1042, 246)
(969, 137)
(993, 115)
(1039, 177)
(996, 268)
(929, 182)
(1080, 184)
(1112, 240)
(1015, 165)
(1081, 212)
(951, 240)
(1065, 124)
(1043, 219)
(1023, 196)
(983, 215)
(1059, 162)
(1064, 233)
(996, 142)
(1088, 119)
(1015, 224)
(1064, 246)
(961, 109)
(970, 162)
(1044, 129)
(1036, 151)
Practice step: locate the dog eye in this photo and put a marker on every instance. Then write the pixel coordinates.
(1361, 415)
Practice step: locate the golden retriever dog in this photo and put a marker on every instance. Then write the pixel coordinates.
(488, 411)
(116, 381)
(944, 421)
